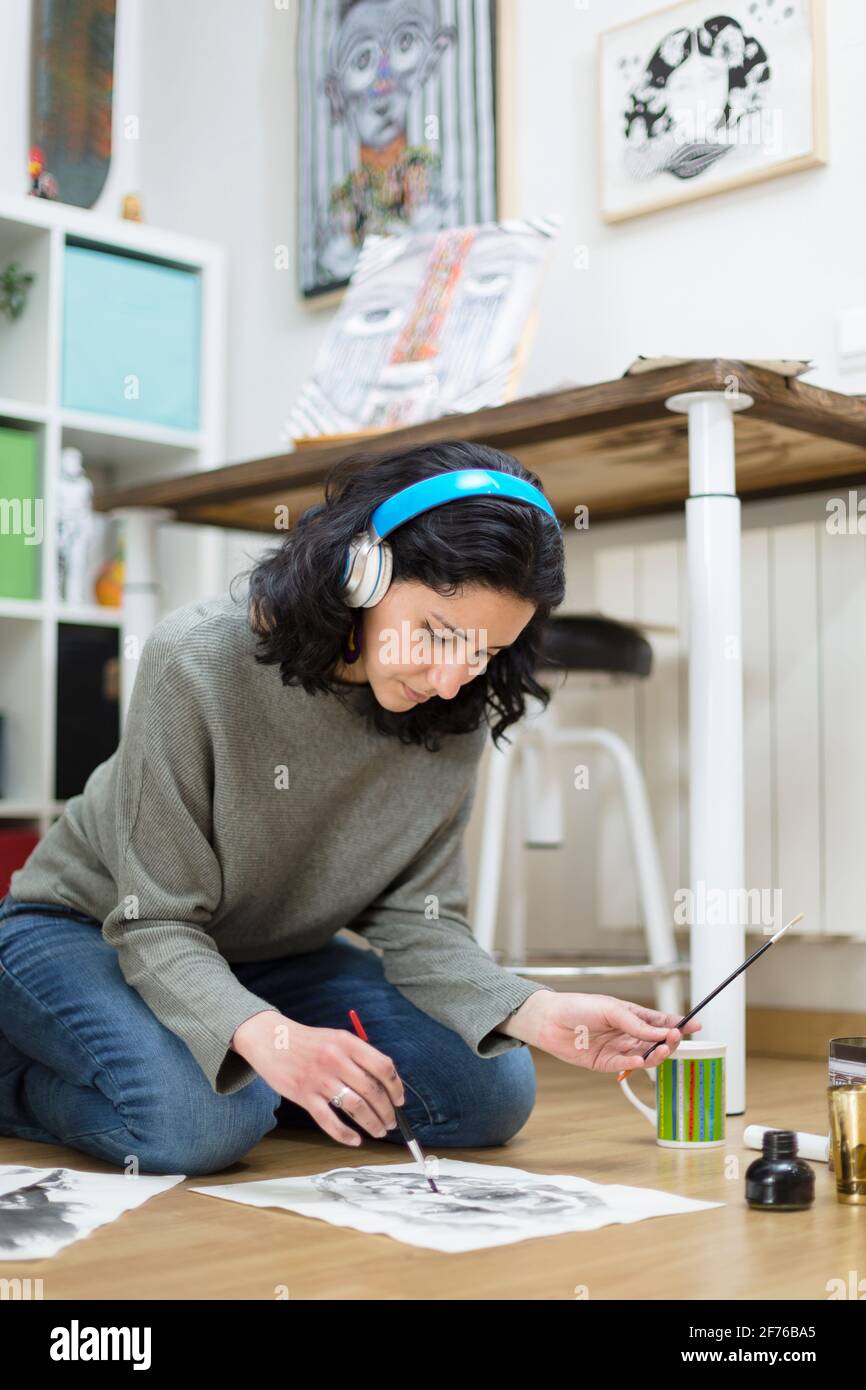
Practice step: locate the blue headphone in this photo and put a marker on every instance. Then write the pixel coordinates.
(369, 559)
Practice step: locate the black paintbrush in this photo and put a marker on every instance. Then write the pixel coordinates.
(718, 989)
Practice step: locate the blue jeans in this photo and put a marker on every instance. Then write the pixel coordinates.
(84, 1061)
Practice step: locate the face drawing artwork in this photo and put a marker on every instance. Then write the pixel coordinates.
(461, 1199)
(684, 111)
(29, 1218)
(431, 324)
(382, 52)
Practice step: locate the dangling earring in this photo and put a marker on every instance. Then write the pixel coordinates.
(352, 645)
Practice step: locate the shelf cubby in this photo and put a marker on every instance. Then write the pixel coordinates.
(24, 342)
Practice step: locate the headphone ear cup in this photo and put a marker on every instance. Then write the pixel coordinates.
(369, 570)
(353, 570)
(380, 567)
(376, 576)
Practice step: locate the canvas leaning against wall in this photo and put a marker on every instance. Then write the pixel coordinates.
(693, 101)
(396, 125)
(432, 324)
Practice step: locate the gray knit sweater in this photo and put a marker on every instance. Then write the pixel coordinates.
(241, 819)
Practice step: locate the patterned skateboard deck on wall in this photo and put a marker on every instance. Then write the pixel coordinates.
(72, 94)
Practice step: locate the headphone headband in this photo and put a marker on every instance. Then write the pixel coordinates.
(450, 487)
(369, 560)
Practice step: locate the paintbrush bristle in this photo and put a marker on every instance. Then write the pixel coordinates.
(799, 917)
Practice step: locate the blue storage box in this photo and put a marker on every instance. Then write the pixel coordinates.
(131, 337)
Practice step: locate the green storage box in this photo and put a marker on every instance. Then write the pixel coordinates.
(21, 514)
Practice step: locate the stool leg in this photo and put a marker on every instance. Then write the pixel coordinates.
(658, 918)
(657, 915)
(517, 865)
(493, 833)
(541, 781)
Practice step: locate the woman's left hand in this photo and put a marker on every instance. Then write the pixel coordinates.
(596, 1031)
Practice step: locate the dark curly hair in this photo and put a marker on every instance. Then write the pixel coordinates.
(302, 621)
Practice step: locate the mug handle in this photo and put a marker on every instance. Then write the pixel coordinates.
(638, 1104)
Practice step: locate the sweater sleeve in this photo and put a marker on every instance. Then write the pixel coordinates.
(169, 880)
(429, 952)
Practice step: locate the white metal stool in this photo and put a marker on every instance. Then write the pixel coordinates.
(529, 765)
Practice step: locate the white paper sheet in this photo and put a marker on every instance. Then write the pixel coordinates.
(478, 1204)
(44, 1209)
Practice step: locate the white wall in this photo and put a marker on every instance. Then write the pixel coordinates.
(15, 89)
(219, 161)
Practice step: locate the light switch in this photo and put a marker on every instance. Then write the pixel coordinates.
(851, 339)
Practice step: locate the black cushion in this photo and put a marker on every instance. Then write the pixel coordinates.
(594, 644)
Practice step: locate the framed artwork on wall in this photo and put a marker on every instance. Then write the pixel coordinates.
(694, 102)
(399, 125)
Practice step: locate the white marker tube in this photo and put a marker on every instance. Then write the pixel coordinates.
(814, 1146)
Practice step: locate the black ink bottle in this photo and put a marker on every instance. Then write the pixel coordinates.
(779, 1180)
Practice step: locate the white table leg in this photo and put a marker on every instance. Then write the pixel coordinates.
(717, 854)
(141, 589)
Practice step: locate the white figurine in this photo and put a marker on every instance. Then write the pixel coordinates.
(74, 525)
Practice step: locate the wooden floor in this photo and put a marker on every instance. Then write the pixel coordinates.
(181, 1245)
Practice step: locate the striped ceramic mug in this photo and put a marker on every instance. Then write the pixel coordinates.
(690, 1097)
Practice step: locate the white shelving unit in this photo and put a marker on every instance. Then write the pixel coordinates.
(34, 233)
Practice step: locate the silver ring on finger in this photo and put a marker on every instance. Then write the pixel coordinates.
(337, 1102)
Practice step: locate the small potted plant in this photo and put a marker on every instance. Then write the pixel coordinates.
(14, 286)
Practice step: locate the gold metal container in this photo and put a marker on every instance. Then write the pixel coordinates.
(847, 1106)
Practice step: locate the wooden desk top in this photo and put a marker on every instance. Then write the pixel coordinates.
(612, 446)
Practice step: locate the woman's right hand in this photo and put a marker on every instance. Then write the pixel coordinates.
(311, 1065)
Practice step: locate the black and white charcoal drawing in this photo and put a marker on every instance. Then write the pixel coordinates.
(694, 100)
(477, 1205)
(500, 1202)
(44, 1209)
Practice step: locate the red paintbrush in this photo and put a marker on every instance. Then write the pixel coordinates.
(405, 1127)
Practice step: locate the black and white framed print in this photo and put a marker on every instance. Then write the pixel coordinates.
(693, 101)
